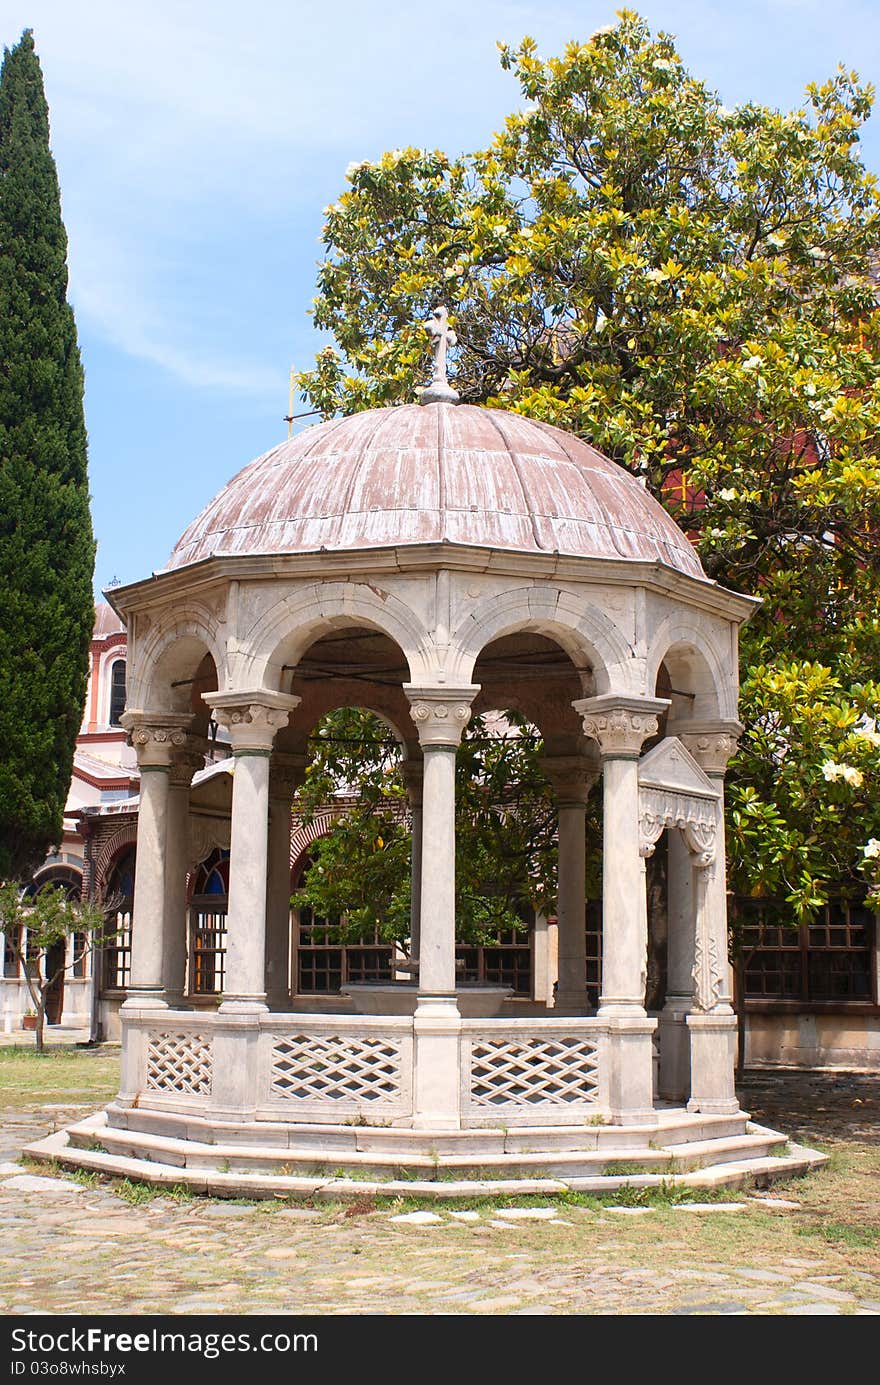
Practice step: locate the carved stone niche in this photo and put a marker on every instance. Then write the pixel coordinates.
(207, 834)
(675, 792)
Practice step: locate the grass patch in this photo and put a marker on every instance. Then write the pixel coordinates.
(135, 1193)
(842, 1234)
(86, 1178)
(58, 1076)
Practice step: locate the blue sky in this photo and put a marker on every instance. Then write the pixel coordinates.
(197, 143)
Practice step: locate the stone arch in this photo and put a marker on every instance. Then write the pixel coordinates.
(171, 651)
(593, 642)
(533, 674)
(320, 700)
(362, 700)
(110, 851)
(281, 634)
(697, 668)
(303, 835)
(63, 873)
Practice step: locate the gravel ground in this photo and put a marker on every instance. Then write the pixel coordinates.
(72, 1247)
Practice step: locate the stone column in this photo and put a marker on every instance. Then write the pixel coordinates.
(620, 725)
(440, 716)
(252, 720)
(675, 1064)
(571, 778)
(155, 737)
(413, 777)
(184, 764)
(286, 773)
(712, 1024)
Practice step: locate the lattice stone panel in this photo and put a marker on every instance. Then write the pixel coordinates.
(336, 1068)
(530, 1072)
(180, 1064)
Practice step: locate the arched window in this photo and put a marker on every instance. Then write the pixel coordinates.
(117, 691)
(60, 878)
(210, 902)
(69, 881)
(117, 946)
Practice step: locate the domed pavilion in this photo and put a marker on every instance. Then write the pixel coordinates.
(429, 562)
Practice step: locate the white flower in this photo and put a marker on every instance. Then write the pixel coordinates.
(869, 733)
(848, 773)
(753, 363)
(815, 253)
(872, 850)
(656, 276)
(727, 494)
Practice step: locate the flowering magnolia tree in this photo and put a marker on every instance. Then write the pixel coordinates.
(692, 289)
(505, 854)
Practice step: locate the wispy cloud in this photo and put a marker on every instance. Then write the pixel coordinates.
(185, 129)
(180, 126)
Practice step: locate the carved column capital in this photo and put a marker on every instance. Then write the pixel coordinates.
(187, 761)
(156, 736)
(252, 718)
(286, 774)
(620, 724)
(571, 777)
(712, 743)
(413, 775)
(440, 714)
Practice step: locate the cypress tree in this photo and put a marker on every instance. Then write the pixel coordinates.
(46, 546)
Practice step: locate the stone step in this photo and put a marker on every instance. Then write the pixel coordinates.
(57, 1150)
(308, 1162)
(672, 1128)
(758, 1144)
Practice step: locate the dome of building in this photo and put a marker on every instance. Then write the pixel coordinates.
(441, 473)
(107, 622)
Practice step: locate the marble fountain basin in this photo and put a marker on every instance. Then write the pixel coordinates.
(400, 997)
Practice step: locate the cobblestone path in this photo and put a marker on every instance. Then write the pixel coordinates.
(70, 1248)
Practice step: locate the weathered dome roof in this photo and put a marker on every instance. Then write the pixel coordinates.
(107, 622)
(436, 473)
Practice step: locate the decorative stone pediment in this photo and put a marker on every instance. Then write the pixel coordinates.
(670, 766)
(675, 792)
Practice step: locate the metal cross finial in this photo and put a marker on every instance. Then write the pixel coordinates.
(442, 336)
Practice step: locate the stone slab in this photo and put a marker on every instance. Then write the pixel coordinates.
(711, 1206)
(527, 1213)
(37, 1183)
